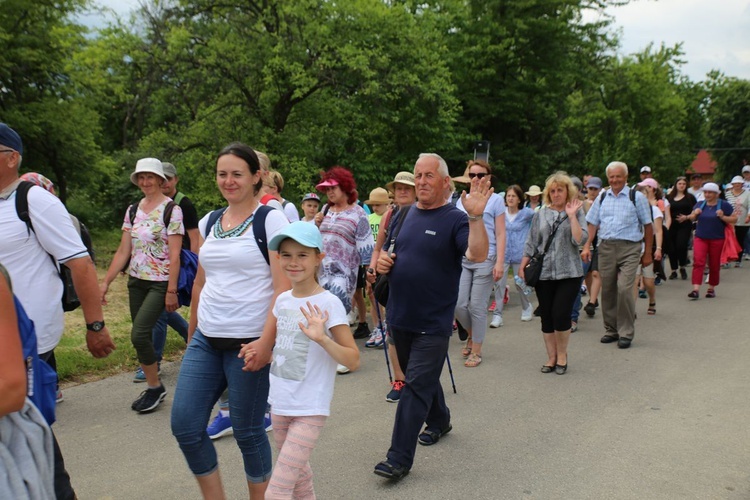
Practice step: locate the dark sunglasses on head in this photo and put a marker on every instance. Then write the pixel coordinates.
(478, 176)
(682, 178)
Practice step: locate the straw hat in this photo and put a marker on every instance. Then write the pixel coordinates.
(534, 191)
(463, 179)
(378, 196)
(406, 178)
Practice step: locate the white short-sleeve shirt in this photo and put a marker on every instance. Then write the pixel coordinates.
(302, 372)
(237, 294)
(26, 256)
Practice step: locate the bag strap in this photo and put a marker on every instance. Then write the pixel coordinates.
(178, 197)
(399, 222)
(259, 230)
(22, 210)
(259, 227)
(167, 216)
(555, 226)
(212, 218)
(22, 204)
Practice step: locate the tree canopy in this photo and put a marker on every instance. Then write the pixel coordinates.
(368, 84)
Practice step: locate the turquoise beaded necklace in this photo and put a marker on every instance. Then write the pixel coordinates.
(219, 232)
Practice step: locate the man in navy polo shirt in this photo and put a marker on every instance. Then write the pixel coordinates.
(424, 270)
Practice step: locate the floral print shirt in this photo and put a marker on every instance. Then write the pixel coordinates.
(149, 254)
(348, 244)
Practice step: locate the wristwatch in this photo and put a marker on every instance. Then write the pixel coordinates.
(96, 326)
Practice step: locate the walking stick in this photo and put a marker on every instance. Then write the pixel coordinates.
(450, 370)
(385, 340)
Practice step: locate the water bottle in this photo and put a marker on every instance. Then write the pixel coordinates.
(522, 285)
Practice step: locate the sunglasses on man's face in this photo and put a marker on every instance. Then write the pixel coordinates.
(478, 176)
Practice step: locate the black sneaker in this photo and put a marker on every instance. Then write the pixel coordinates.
(362, 331)
(673, 276)
(590, 309)
(683, 273)
(149, 400)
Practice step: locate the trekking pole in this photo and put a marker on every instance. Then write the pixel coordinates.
(376, 305)
(450, 370)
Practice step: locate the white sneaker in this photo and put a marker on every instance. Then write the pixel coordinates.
(497, 321)
(341, 369)
(528, 313)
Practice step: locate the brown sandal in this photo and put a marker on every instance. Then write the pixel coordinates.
(652, 309)
(473, 360)
(466, 351)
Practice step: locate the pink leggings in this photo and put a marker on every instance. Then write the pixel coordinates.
(707, 250)
(295, 439)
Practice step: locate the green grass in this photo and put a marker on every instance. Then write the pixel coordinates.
(74, 362)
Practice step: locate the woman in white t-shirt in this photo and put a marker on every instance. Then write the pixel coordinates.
(234, 290)
(312, 336)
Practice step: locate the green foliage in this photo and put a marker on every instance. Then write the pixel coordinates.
(639, 115)
(729, 123)
(366, 84)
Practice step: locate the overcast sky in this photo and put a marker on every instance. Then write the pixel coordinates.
(715, 33)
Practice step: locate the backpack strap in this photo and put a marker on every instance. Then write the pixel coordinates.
(178, 197)
(212, 218)
(132, 210)
(259, 230)
(285, 203)
(22, 204)
(259, 227)
(167, 216)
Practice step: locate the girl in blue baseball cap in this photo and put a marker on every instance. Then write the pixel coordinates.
(312, 336)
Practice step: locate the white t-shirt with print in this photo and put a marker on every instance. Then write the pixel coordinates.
(235, 299)
(302, 372)
(26, 256)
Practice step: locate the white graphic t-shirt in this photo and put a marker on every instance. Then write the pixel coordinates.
(302, 372)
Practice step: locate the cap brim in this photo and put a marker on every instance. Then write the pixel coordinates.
(326, 184)
(462, 179)
(392, 184)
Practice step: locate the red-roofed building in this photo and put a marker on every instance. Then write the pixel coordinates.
(704, 165)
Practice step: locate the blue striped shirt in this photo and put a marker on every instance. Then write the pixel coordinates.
(618, 218)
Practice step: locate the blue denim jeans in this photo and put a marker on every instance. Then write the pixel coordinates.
(577, 304)
(204, 374)
(159, 332)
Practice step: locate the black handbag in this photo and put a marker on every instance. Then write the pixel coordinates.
(381, 287)
(533, 270)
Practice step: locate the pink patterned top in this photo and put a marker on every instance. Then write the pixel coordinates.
(149, 254)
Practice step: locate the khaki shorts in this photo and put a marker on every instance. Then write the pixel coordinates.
(647, 272)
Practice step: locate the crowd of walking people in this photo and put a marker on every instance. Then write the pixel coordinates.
(274, 292)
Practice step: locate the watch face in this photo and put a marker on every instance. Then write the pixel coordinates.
(96, 326)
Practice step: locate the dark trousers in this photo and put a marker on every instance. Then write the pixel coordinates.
(422, 401)
(679, 240)
(63, 488)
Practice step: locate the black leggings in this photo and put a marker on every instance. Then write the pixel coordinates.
(679, 237)
(741, 232)
(556, 298)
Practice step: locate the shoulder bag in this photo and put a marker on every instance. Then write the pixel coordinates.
(533, 270)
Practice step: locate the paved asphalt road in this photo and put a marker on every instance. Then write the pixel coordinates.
(668, 418)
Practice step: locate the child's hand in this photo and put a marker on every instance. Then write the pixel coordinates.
(316, 321)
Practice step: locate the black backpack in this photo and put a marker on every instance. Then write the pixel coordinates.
(70, 299)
